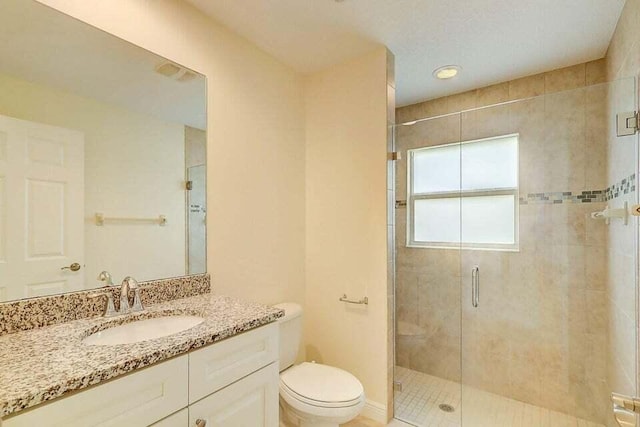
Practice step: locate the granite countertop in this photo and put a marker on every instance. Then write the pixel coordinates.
(45, 363)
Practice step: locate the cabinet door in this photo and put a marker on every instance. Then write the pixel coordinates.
(250, 402)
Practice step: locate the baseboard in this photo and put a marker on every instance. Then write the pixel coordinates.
(375, 411)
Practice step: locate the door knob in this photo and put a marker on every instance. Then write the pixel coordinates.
(200, 423)
(73, 267)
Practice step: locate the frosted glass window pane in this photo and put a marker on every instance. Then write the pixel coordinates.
(437, 220)
(436, 169)
(488, 219)
(491, 163)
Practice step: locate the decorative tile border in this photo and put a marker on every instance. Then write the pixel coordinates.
(588, 196)
(33, 313)
(625, 186)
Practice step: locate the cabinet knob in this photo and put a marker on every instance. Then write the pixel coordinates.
(200, 423)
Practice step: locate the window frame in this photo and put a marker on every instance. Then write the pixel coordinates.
(461, 194)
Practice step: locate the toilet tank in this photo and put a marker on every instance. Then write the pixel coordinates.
(290, 333)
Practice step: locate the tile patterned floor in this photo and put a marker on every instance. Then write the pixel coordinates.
(418, 404)
(362, 422)
(366, 422)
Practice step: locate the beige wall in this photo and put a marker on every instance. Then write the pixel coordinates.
(346, 219)
(116, 147)
(255, 139)
(623, 62)
(256, 177)
(540, 331)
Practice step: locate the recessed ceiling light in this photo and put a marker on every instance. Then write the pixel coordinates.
(446, 72)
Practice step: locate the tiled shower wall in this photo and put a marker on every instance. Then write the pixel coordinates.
(620, 286)
(541, 327)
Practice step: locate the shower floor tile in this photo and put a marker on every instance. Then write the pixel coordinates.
(418, 404)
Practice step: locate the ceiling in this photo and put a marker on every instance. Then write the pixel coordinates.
(49, 48)
(492, 40)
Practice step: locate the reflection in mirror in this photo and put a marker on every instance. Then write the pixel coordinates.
(102, 157)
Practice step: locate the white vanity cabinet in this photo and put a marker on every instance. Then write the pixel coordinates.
(232, 383)
(235, 383)
(180, 418)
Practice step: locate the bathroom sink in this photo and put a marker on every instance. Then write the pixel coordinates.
(143, 330)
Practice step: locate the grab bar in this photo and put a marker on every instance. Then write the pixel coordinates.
(100, 219)
(475, 286)
(364, 300)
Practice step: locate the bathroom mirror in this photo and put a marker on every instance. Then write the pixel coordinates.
(102, 157)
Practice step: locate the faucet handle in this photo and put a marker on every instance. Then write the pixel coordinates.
(105, 277)
(109, 309)
(137, 302)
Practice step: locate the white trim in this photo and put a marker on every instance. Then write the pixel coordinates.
(375, 411)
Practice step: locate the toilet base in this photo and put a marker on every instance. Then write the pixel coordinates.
(317, 424)
(291, 418)
(285, 422)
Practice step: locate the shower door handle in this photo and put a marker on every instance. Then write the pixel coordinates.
(475, 286)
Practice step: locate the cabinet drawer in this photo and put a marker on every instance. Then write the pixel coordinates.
(252, 401)
(218, 365)
(138, 399)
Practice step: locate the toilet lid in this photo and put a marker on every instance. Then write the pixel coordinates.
(322, 383)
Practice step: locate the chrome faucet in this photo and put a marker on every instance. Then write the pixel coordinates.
(129, 283)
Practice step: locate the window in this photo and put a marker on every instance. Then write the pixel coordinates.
(464, 195)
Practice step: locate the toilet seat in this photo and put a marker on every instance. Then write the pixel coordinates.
(321, 385)
(291, 394)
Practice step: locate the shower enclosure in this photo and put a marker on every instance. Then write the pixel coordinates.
(515, 297)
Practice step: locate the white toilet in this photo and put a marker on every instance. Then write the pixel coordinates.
(312, 394)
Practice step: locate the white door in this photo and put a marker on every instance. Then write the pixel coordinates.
(250, 402)
(41, 209)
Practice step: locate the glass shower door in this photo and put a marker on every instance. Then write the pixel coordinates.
(427, 355)
(548, 292)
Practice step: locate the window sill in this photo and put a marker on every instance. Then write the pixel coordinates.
(466, 248)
